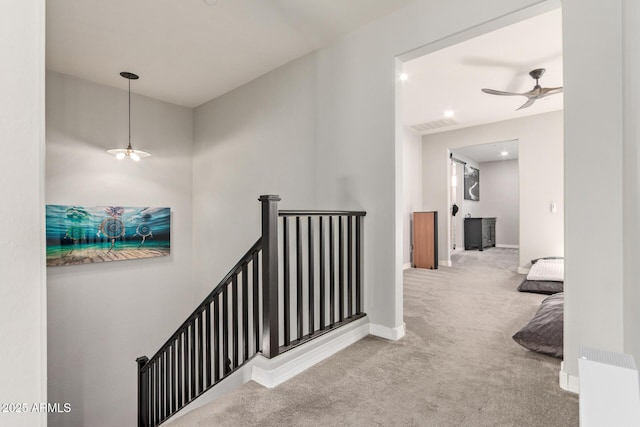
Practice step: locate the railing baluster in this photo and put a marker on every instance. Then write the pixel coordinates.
(207, 343)
(143, 391)
(245, 312)
(359, 264)
(152, 394)
(167, 384)
(234, 319)
(174, 376)
(299, 277)
(341, 268)
(157, 396)
(256, 304)
(165, 393)
(287, 281)
(332, 275)
(180, 370)
(200, 366)
(192, 360)
(169, 369)
(162, 387)
(312, 290)
(216, 343)
(146, 417)
(225, 330)
(349, 266)
(322, 272)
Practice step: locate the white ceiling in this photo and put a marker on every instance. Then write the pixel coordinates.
(188, 52)
(488, 152)
(451, 78)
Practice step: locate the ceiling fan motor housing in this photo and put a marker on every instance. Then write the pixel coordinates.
(537, 73)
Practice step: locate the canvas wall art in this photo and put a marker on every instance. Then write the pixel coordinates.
(83, 235)
(471, 183)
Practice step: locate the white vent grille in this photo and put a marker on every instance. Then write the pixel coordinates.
(610, 358)
(436, 124)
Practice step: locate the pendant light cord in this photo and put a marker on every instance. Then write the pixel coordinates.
(129, 113)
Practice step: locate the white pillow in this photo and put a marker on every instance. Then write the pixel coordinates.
(551, 270)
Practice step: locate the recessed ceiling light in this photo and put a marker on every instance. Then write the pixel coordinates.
(448, 113)
(504, 153)
(404, 77)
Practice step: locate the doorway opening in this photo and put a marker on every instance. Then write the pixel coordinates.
(484, 193)
(453, 100)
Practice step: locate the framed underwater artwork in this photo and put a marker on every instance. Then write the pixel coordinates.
(84, 235)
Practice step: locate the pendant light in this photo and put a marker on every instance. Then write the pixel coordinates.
(121, 153)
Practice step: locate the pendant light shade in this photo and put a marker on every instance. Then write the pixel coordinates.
(121, 153)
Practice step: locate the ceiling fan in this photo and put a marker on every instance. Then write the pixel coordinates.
(534, 94)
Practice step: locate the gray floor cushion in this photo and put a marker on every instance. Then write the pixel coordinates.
(544, 333)
(541, 286)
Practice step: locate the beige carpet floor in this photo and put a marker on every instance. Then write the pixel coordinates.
(457, 365)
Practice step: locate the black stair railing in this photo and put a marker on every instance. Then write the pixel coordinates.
(326, 297)
(200, 353)
(242, 315)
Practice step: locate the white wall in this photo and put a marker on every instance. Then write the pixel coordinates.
(103, 316)
(358, 162)
(631, 180)
(348, 96)
(257, 139)
(540, 147)
(594, 310)
(22, 272)
(500, 198)
(411, 187)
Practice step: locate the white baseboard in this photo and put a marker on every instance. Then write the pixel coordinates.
(444, 263)
(568, 382)
(501, 245)
(393, 334)
(522, 270)
(406, 266)
(272, 372)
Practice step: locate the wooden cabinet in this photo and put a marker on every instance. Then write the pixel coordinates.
(479, 233)
(425, 240)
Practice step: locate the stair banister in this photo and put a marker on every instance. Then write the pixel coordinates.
(210, 345)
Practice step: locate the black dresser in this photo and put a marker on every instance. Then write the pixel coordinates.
(479, 233)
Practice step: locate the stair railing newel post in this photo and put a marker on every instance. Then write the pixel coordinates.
(270, 326)
(359, 264)
(143, 393)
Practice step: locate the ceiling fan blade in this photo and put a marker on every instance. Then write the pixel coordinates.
(527, 104)
(551, 90)
(499, 92)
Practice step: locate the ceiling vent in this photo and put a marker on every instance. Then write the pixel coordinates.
(436, 124)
